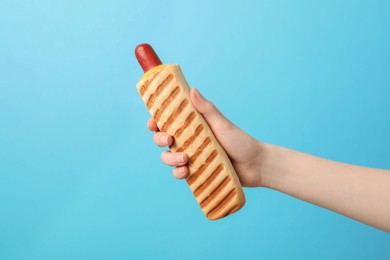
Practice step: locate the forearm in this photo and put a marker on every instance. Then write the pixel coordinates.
(357, 192)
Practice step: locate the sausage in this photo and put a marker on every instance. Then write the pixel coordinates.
(147, 57)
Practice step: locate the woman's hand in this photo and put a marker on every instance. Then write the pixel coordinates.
(358, 192)
(244, 151)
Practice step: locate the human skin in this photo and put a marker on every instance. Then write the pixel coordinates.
(357, 192)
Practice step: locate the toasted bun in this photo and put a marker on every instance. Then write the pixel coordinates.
(212, 177)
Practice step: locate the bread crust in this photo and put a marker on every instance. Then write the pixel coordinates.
(212, 178)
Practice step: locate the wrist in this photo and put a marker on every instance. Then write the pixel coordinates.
(270, 160)
(259, 177)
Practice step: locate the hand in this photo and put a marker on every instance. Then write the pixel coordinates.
(245, 153)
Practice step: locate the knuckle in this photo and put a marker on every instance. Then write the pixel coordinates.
(209, 106)
(164, 156)
(169, 158)
(156, 139)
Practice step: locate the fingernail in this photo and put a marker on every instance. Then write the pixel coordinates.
(182, 158)
(164, 139)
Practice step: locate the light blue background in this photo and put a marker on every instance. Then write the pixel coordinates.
(80, 177)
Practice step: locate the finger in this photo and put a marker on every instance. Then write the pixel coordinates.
(152, 126)
(162, 139)
(180, 172)
(174, 159)
(210, 112)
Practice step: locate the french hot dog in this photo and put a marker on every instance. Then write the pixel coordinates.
(212, 178)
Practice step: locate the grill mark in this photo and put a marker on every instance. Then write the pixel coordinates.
(192, 138)
(175, 114)
(209, 180)
(201, 169)
(200, 149)
(166, 102)
(147, 83)
(215, 193)
(159, 89)
(234, 209)
(187, 122)
(222, 205)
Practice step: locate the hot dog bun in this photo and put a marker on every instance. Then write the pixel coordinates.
(212, 178)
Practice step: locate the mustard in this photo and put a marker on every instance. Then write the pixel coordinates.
(153, 70)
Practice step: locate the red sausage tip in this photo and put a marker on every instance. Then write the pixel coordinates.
(147, 57)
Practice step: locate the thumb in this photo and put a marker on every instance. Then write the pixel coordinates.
(216, 120)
